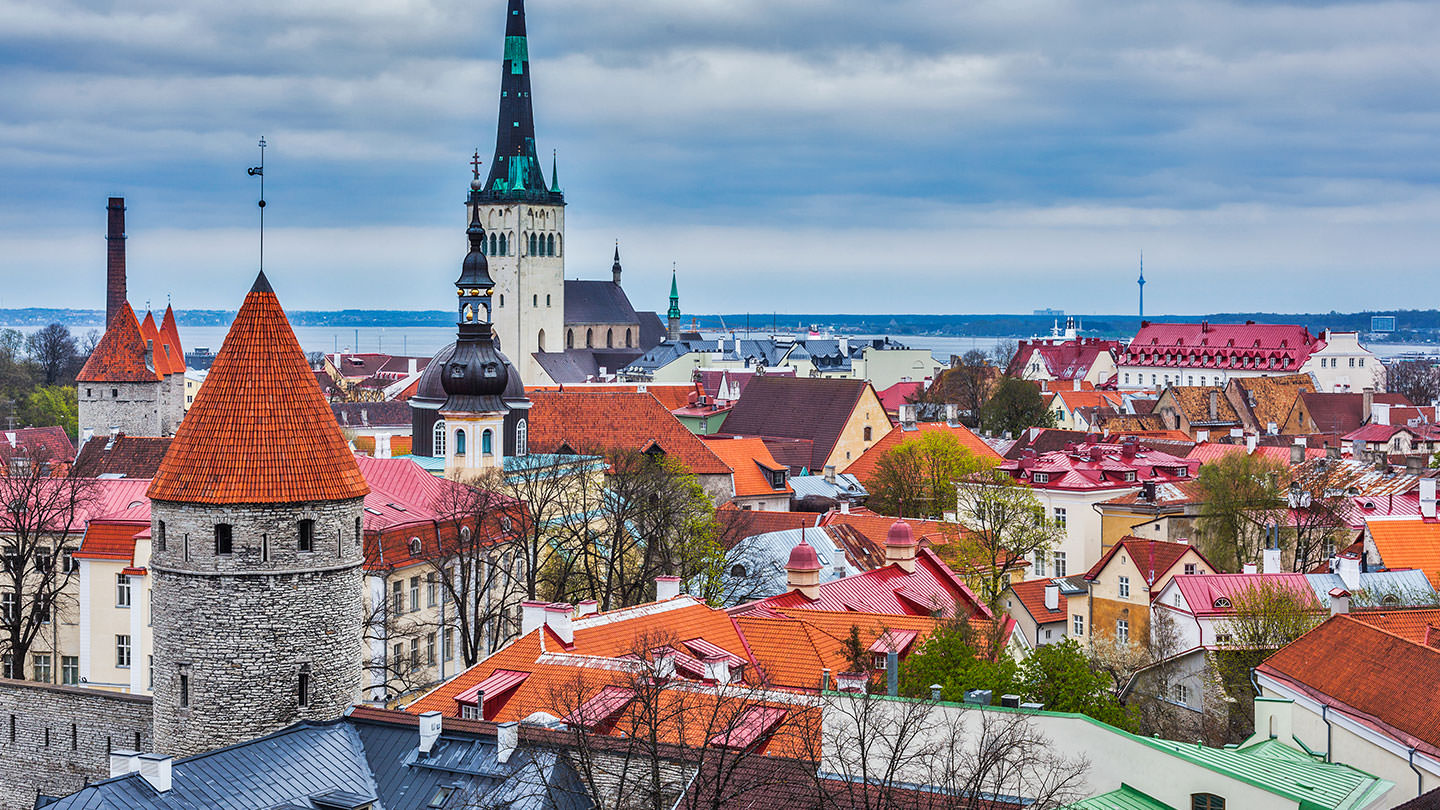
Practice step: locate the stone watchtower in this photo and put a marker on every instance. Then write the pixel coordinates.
(256, 548)
(119, 387)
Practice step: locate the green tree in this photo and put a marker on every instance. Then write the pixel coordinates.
(1004, 526)
(1015, 405)
(1241, 496)
(52, 405)
(1062, 677)
(916, 478)
(959, 657)
(1268, 615)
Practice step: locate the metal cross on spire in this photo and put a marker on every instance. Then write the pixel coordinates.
(475, 164)
(259, 171)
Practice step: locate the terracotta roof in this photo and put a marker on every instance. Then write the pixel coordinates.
(120, 354)
(1089, 399)
(1408, 543)
(1152, 557)
(752, 464)
(864, 467)
(797, 408)
(1194, 402)
(1031, 594)
(794, 647)
(1379, 678)
(170, 336)
(1410, 623)
(259, 430)
(590, 420)
(121, 456)
(1269, 399)
(110, 540)
(1231, 347)
(1206, 452)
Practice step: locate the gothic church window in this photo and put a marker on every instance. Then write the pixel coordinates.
(547, 300)
(504, 245)
(628, 340)
(609, 338)
(589, 338)
(532, 244)
(550, 245)
(494, 244)
(522, 438)
(540, 340)
(569, 338)
(439, 439)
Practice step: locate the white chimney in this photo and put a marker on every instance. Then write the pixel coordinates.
(86, 435)
(1248, 568)
(532, 615)
(1202, 436)
(1339, 601)
(1271, 559)
(844, 507)
(1236, 433)
(410, 371)
(844, 347)
(507, 739)
(666, 588)
(587, 608)
(1273, 718)
(558, 619)
(382, 445)
(1427, 497)
(717, 669)
(1349, 570)
(1251, 442)
(429, 730)
(155, 769)
(123, 762)
(952, 415)
(1052, 596)
(664, 662)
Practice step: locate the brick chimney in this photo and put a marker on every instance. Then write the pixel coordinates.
(114, 257)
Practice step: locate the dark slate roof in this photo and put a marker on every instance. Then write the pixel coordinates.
(797, 408)
(370, 754)
(579, 365)
(652, 330)
(597, 302)
(120, 456)
(371, 414)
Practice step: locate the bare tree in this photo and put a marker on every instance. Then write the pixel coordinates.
(1314, 520)
(1005, 525)
(41, 520)
(967, 384)
(53, 349)
(1418, 380)
(546, 484)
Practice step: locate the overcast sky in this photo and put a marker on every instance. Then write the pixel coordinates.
(920, 156)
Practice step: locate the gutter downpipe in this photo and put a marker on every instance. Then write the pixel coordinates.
(1329, 738)
(1419, 777)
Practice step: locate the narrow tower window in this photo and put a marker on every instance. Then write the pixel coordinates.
(533, 250)
(504, 245)
(589, 338)
(569, 338)
(522, 438)
(494, 244)
(487, 443)
(629, 341)
(184, 686)
(223, 538)
(460, 442)
(306, 539)
(160, 535)
(550, 246)
(304, 685)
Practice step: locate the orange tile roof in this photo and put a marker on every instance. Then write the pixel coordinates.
(1408, 543)
(1090, 399)
(1411, 623)
(1031, 594)
(747, 457)
(864, 466)
(110, 540)
(591, 421)
(259, 431)
(120, 354)
(672, 396)
(170, 336)
(1378, 678)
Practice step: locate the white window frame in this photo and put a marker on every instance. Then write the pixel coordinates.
(1124, 587)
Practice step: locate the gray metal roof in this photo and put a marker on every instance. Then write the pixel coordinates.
(846, 487)
(755, 567)
(597, 302)
(1379, 587)
(356, 760)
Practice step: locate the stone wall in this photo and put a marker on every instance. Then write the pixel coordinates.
(132, 407)
(241, 628)
(54, 739)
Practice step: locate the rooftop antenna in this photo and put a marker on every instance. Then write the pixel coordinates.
(259, 171)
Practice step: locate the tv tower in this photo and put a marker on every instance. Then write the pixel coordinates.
(1141, 282)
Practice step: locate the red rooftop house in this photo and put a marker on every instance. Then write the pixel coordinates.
(1165, 354)
(1069, 483)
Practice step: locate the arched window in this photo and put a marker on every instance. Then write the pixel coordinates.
(487, 442)
(460, 442)
(628, 341)
(502, 299)
(416, 547)
(535, 300)
(540, 340)
(494, 244)
(1206, 801)
(609, 338)
(504, 245)
(522, 438)
(550, 245)
(589, 338)
(569, 338)
(532, 244)
(439, 439)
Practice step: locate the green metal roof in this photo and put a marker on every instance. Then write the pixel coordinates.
(1126, 798)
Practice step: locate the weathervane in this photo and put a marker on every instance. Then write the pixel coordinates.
(259, 171)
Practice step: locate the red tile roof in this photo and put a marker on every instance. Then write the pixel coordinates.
(672, 396)
(1152, 557)
(899, 394)
(1206, 452)
(42, 444)
(1031, 594)
(1408, 543)
(1231, 347)
(120, 354)
(259, 431)
(590, 420)
(170, 336)
(864, 467)
(1380, 679)
(1064, 359)
(752, 463)
(1099, 466)
(121, 455)
(798, 408)
(110, 540)
(1410, 623)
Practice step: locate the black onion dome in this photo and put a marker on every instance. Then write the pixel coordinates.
(430, 389)
(475, 376)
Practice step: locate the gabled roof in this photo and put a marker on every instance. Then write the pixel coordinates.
(1248, 346)
(121, 456)
(110, 540)
(44, 444)
(600, 302)
(1341, 413)
(899, 394)
(120, 354)
(1269, 399)
(1379, 678)
(371, 414)
(798, 408)
(1194, 402)
(864, 467)
(594, 420)
(1031, 595)
(752, 464)
(1409, 623)
(1214, 594)
(1152, 557)
(1063, 359)
(1408, 543)
(259, 430)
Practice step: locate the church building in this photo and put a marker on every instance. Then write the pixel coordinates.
(557, 330)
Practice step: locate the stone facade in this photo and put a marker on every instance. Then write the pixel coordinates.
(54, 739)
(236, 634)
(133, 407)
(529, 295)
(171, 404)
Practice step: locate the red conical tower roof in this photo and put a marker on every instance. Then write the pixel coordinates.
(171, 337)
(151, 335)
(259, 431)
(120, 354)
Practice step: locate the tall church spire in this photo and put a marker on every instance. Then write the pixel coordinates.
(672, 317)
(515, 173)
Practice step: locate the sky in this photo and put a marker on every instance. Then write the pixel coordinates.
(888, 156)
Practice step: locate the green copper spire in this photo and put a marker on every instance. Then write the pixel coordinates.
(555, 171)
(674, 297)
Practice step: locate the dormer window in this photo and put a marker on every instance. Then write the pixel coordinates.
(1040, 477)
(1129, 475)
(1222, 602)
